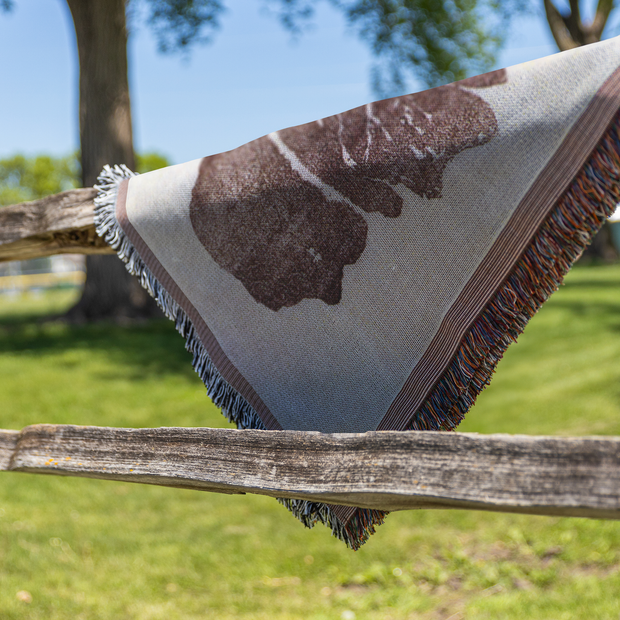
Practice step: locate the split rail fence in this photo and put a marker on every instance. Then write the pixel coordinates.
(577, 476)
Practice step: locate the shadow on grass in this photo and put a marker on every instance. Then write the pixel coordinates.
(139, 350)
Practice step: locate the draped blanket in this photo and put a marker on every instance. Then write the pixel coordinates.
(368, 270)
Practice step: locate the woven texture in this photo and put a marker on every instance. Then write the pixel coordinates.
(367, 271)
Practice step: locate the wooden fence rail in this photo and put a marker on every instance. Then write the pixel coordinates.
(387, 470)
(577, 476)
(57, 224)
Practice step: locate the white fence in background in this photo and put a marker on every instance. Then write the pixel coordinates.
(65, 270)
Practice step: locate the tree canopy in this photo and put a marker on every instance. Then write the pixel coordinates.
(435, 41)
(28, 178)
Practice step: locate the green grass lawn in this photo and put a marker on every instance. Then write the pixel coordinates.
(74, 548)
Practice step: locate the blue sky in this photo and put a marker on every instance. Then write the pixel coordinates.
(251, 80)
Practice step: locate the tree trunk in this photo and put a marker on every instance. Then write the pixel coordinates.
(106, 138)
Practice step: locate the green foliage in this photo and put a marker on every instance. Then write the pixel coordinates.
(178, 24)
(28, 178)
(436, 41)
(73, 548)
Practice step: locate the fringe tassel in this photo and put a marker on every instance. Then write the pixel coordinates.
(578, 215)
(354, 534)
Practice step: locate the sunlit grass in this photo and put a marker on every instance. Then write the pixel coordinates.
(107, 550)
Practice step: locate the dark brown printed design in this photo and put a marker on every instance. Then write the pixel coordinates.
(272, 230)
(280, 213)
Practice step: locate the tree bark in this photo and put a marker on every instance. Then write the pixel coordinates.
(106, 138)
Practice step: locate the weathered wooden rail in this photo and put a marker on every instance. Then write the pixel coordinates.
(578, 476)
(386, 470)
(57, 224)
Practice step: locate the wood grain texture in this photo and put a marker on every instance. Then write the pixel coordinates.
(8, 443)
(386, 470)
(58, 224)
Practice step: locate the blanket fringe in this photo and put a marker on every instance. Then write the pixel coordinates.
(234, 407)
(354, 533)
(570, 227)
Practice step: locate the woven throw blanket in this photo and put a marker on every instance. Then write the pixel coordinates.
(368, 270)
